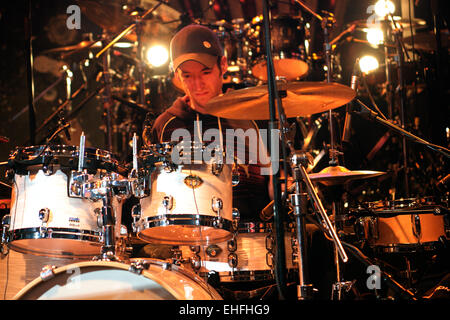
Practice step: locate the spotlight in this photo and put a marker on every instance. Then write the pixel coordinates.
(368, 64)
(375, 36)
(384, 7)
(157, 55)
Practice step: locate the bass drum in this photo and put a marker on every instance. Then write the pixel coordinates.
(142, 279)
(18, 269)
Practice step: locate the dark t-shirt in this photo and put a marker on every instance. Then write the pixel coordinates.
(251, 194)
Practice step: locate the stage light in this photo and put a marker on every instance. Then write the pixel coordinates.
(375, 36)
(368, 64)
(157, 55)
(384, 7)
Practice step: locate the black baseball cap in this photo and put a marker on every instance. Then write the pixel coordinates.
(195, 42)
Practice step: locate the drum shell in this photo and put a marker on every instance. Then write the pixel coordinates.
(74, 217)
(404, 223)
(289, 47)
(41, 183)
(191, 219)
(254, 254)
(19, 269)
(110, 280)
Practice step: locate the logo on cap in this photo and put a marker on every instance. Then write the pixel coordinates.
(206, 44)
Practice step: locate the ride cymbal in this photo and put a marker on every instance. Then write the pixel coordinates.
(298, 99)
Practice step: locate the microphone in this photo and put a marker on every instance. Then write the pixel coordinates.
(348, 116)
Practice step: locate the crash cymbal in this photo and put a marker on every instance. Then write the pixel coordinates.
(298, 99)
(426, 41)
(115, 16)
(340, 175)
(107, 14)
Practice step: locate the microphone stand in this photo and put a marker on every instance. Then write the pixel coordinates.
(372, 115)
(280, 255)
(30, 78)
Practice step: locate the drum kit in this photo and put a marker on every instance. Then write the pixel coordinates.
(186, 210)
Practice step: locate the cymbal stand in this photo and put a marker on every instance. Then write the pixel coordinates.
(398, 36)
(107, 100)
(299, 161)
(327, 22)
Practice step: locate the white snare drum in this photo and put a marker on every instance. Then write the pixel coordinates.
(402, 225)
(188, 204)
(247, 257)
(44, 219)
(143, 279)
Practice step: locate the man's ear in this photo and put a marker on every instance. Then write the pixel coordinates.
(224, 64)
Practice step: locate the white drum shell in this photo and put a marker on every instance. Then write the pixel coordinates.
(191, 218)
(72, 228)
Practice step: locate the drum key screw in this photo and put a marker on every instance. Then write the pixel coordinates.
(167, 202)
(47, 272)
(213, 250)
(216, 168)
(136, 267)
(196, 262)
(232, 245)
(136, 215)
(44, 215)
(232, 260)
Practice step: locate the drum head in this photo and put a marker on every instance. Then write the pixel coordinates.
(106, 280)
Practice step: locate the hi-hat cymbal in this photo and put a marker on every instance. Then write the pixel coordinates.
(335, 175)
(298, 99)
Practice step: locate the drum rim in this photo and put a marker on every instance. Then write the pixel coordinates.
(196, 220)
(180, 219)
(94, 157)
(24, 233)
(122, 265)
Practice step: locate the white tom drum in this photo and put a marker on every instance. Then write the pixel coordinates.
(44, 220)
(249, 256)
(188, 203)
(142, 279)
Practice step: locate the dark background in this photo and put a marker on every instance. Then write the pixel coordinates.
(49, 31)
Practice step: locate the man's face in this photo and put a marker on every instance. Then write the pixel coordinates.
(201, 83)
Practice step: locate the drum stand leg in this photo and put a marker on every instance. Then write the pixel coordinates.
(299, 200)
(108, 252)
(340, 285)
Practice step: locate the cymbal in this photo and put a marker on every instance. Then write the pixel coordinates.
(335, 175)
(115, 17)
(107, 14)
(403, 22)
(426, 41)
(298, 99)
(79, 46)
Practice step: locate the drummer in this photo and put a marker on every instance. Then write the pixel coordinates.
(199, 64)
